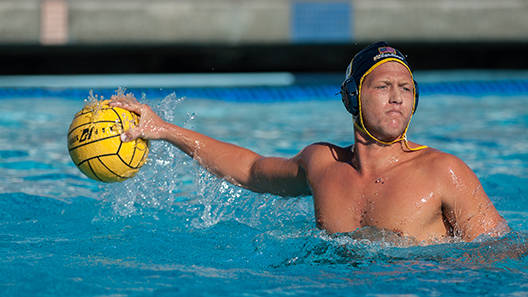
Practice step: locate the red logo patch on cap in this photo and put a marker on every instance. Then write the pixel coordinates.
(386, 50)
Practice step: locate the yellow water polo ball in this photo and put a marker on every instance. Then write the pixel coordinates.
(95, 146)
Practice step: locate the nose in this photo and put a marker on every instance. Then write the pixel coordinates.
(395, 96)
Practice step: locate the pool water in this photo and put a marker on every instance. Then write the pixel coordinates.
(176, 230)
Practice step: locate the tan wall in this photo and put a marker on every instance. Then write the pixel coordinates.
(432, 20)
(19, 21)
(264, 21)
(179, 21)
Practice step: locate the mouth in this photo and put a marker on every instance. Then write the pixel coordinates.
(394, 112)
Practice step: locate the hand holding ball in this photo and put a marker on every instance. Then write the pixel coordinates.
(95, 145)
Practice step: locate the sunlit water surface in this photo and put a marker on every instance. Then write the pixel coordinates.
(176, 230)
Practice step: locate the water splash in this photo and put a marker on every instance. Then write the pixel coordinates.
(173, 183)
(160, 182)
(167, 107)
(370, 245)
(93, 104)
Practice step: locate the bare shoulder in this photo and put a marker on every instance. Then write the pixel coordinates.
(453, 177)
(323, 153)
(443, 171)
(443, 164)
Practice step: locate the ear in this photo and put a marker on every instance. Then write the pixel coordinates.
(349, 96)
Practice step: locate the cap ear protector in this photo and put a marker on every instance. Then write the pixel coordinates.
(349, 96)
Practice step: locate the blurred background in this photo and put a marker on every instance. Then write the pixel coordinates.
(207, 36)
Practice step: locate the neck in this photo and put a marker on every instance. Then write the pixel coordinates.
(370, 156)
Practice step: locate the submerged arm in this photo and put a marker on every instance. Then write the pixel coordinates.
(236, 164)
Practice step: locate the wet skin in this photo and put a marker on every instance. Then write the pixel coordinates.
(427, 194)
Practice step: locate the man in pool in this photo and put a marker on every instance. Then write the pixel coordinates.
(383, 180)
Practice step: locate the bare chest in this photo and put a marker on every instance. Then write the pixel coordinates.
(404, 202)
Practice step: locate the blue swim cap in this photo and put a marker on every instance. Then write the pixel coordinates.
(364, 62)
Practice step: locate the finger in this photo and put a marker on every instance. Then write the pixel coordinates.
(135, 107)
(119, 100)
(130, 134)
(126, 99)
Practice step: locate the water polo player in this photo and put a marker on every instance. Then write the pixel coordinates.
(382, 180)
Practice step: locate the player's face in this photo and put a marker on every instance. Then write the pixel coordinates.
(387, 97)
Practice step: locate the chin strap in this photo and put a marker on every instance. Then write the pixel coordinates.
(413, 149)
(402, 138)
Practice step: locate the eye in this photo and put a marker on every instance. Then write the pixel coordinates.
(406, 88)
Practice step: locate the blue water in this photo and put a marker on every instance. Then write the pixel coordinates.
(175, 230)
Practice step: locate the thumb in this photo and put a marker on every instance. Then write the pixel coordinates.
(130, 134)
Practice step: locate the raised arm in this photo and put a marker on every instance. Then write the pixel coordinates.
(236, 164)
(465, 204)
